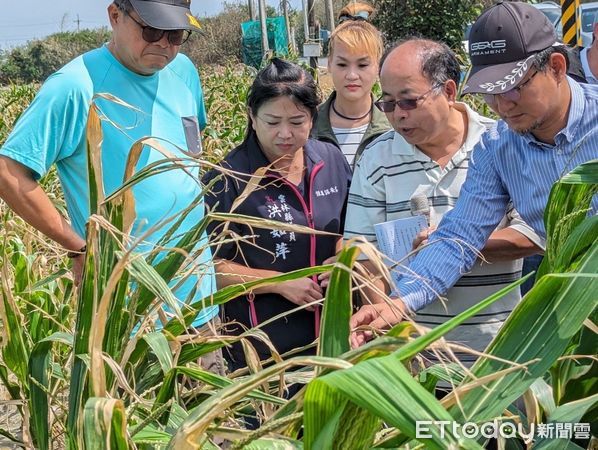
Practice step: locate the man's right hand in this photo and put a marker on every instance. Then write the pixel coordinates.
(380, 316)
(422, 237)
(300, 291)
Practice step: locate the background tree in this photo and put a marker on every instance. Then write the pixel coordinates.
(38, 59)
(443, 20)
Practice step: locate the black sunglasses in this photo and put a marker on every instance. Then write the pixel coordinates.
(346, 17)
(405, 104)
(151, 34)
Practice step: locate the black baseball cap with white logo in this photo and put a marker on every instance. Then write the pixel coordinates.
(167, 14)
(503, 42)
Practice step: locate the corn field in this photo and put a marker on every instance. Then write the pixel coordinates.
(80, 368)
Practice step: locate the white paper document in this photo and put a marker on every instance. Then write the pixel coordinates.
(395, 237)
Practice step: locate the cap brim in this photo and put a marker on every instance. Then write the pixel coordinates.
(497, 78)
(166, 17)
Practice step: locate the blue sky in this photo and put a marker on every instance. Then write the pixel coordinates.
(28, 19)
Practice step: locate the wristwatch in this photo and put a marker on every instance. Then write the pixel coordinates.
(79, 252)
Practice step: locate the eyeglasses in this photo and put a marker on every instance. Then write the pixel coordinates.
(406, 104)
(360, 15)
(151, 34)
(511, 95)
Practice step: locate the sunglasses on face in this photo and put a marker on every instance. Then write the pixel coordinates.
(405, 104)
(513, 95)
(151, 34)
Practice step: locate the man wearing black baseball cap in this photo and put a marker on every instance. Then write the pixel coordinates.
(548, 128)
(160, 95)
(166, 14)
(503, 44)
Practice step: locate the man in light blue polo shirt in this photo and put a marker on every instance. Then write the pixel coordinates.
(548, 128)
(141, 65)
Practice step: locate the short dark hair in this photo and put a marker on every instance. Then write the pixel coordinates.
(438, 62)
(124, 5)
(543, 58)
(282, 79)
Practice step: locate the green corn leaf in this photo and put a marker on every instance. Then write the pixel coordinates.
(104, 424)
(192, 433)
(543, 393)
(165, 394)
(536, 334)
(39, 367)
(334, 332)
(15, 349)
(193, 350)
(234, 291)
(160, 347)
(567, 207)
(274, 444)
(569, 413)
(174, 327)
(385, 388)
(221, 382)
(151, 280)
(46, 281)
(151, 435)
(581, 239)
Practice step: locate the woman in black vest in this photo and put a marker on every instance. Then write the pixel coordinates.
(299, 181)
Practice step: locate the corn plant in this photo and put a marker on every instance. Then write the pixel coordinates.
(225, 99)
(13, 100)
(345, 407)
(90, 370)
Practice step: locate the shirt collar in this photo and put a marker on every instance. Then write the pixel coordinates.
(475, 128)
(257, 158)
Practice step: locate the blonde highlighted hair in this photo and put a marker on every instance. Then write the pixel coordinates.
(360, 36)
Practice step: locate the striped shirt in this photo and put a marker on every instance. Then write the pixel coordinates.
(349, 140)
(504, 165)
(387, 175)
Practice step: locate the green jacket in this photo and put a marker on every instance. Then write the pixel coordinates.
(322, 130)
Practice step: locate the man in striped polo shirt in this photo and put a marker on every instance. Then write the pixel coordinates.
(427, 154)
(548, 128)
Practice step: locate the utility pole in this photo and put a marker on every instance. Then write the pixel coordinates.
(311, 31)
(304, 3)
(264, 28)
(329, 15)
(287, 22)
(252, 10)
(78, 22)
(571, 22)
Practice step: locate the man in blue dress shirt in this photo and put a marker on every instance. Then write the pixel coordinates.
(548, 128)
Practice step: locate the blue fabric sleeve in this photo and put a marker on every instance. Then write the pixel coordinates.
(52, 127)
